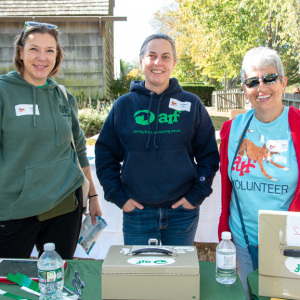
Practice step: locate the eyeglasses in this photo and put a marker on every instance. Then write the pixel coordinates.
(33, 24)
(267, 79)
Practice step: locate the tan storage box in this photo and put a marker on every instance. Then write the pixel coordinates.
(168, 273)
(279, 254)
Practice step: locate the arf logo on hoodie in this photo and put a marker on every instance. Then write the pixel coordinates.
(141, 117)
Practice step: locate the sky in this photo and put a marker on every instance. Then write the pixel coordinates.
(130, 34)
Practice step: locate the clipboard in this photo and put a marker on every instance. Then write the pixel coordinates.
(27, 267)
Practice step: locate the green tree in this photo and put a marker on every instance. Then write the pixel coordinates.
(289, 15)
(186, 70)
(216, 34)
(128, 73)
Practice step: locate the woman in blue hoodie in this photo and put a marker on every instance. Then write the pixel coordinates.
(40, 180)
(156, 155)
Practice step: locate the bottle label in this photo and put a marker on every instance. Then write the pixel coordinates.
(226, 261)
(51, 276)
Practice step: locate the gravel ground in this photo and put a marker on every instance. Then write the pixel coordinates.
(213, 112)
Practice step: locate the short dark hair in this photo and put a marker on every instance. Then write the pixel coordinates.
(157, 36)
(22, 38)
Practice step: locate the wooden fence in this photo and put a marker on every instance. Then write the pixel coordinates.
(234, 99)
(291, 100)
(228, 99)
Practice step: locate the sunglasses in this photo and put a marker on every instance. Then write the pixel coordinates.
(33, 24)
(267, 79)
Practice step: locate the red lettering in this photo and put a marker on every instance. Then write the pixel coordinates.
(297, 230)
(238, 160)
(242, 166)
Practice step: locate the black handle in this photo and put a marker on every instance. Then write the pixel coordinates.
(291, 252)
(156, 250)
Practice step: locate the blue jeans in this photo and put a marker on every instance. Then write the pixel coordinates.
(244, 265)
(169, 226)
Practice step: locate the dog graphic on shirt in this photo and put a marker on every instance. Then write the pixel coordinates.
(260, 154)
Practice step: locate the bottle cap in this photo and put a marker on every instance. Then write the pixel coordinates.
(226, 235)
(49, 246)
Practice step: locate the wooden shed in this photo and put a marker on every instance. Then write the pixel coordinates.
(87, 37)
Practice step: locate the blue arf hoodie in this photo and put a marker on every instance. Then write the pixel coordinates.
(166, 143)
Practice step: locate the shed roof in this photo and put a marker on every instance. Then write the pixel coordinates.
(32, 8)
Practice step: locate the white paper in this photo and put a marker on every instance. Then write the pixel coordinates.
(293, 231)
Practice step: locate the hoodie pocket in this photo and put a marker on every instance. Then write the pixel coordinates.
(158, 176)
(45, 186)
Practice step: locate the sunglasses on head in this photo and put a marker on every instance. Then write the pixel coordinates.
(33, 24)
(267, 79)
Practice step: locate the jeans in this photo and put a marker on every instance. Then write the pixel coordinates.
(169, 226)
(244, 265)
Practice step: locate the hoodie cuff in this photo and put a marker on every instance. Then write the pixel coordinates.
(198, 194)
(84, 161)
(118, 197)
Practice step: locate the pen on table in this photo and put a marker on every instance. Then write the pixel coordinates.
(81, 283)
(78, 291)
(71, 292)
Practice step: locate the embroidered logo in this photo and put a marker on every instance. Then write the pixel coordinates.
(64, 110)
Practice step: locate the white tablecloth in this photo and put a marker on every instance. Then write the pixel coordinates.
(112, 234)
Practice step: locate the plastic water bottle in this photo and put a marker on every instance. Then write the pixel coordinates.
(226, 260)
(51, 274)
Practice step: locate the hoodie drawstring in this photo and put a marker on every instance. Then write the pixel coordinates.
(54, 119)
(156, 126)
(149, 134)
(33, 107)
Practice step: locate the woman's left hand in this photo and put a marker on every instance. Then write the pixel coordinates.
(94, 209)
(184, 204)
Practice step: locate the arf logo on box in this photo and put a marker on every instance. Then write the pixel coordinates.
(150, 261)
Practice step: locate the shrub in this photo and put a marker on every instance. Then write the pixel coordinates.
(204, 92)
(121, 86)
(92, 120)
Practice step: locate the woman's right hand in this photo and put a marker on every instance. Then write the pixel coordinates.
(131, 205)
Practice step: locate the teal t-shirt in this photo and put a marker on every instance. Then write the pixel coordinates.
(265, 172)
(41, 86)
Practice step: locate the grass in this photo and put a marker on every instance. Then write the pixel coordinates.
(90, 142)
(218, 121)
